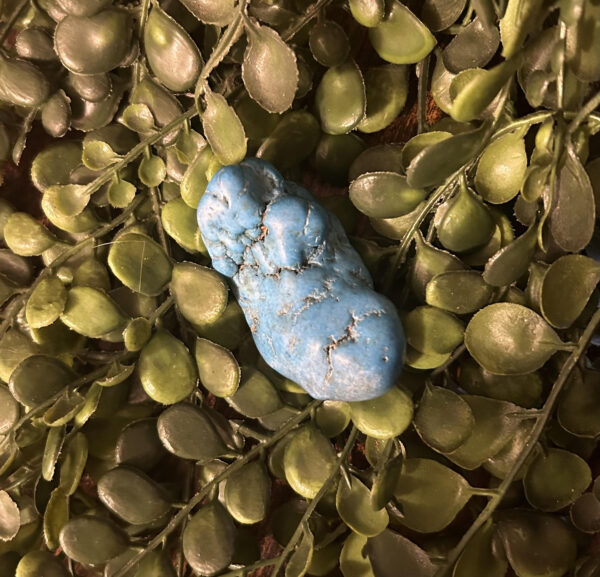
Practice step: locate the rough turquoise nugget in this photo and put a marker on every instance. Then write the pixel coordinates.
(307, 296)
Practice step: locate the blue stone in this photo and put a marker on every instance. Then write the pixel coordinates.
(307, 296)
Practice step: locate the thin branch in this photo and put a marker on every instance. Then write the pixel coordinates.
(308, 16)
(177, 519)
(313, 504)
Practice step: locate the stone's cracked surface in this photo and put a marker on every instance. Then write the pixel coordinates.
(307, 296)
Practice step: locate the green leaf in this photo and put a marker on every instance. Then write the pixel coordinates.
(139, 263)
(566, 288)
(479, 557)
(292, 140)
(217, 12)
(166, 369)
(501, 169)
(439, 14)
(431, 330)
(420, 142)
(46, 302)
(512, 261)
(152, 170)
(367, 13)
(38, 378)
(180, 427)
(38, 563)
(301, 558)
(64, 409)
(139, 446)
(384, 417)
(308, 461)
(247, 492)
(474, 46)
(73, 462)
(571, 220)
(458, 291)
(389, 551)
(92, 540)
(9, 410)
(94, 44)
(447, 156)
(518, 20)
(91, 313)
(172, 55)
(197, 175)
(353, 504)
(190, 282)
(384, 195)
(269, 69)
(401, 38)
(537, 544)
(430, 495)
(132, 496)
(464, 223)
(10, 519)
(139, 117)
(332, 417)
(340, 98)
(579, 405)
(477, 90)
(25, 236)
(52, 449)
(181, 224)
(585, 513)
(256, 396)
(56, 517)
(218, 368)
(386, 92)
(208, 540)
(328, 43)
(428, 262)
(443, 420)
(223, 130)
(496, 423)
(510, 339)
(555, 479)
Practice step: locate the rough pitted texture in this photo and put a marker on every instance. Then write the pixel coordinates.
(307, 296)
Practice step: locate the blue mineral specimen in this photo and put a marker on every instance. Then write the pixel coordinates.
(306, 294)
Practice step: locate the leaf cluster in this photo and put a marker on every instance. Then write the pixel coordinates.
(141, 433)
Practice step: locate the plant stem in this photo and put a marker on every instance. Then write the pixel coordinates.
(177, 519)
(423, 76)
(162, 309)
(137, 69)
(7, 26)
(229, 38)
(308, 16)
(534, 436)
(585, 111)
(250, 568)
(137, 150)
(313, 504)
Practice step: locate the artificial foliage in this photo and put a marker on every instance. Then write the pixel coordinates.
(141, 433)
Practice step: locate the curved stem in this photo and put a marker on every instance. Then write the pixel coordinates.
(313, 504)
(137, 150)
(308, 16)
(6, 27)
(177, 519)
(534, 436)
(583, 114)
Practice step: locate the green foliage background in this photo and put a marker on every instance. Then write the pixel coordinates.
(141, 432)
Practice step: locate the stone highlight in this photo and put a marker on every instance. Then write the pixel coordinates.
(307, 296)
